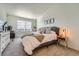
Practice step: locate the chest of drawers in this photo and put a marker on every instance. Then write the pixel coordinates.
(4, 40)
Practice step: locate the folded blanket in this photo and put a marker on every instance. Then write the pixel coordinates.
(30, 43)
(39, 37)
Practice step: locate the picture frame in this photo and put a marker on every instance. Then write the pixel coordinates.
(49, 21)
(52, 20)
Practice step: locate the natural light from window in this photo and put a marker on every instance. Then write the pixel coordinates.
(24, 25)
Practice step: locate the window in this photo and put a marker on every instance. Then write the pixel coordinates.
(20, 24)
(28, 25)
(24, 25)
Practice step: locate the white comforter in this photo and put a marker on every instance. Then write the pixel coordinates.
(49, 37)
(30, 42)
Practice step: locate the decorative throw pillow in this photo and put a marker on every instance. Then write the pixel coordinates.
(39, 37)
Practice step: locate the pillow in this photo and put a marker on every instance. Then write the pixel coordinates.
(52, 32)
(39, 37)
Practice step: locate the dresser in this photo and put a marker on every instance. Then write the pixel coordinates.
(4, 40)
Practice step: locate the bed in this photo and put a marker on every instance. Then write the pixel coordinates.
(30, 43)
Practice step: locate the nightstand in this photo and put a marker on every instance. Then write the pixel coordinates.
(62, 39)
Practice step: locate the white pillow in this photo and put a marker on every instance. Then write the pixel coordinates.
(52, 32)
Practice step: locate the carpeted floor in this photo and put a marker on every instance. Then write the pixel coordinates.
(15, 48)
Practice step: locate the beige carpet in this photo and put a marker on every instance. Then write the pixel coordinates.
(15, 48)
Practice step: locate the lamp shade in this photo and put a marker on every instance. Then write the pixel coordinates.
(62, 32)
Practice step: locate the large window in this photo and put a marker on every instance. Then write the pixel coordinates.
(20, 24)
(28, 25)
(24, 25)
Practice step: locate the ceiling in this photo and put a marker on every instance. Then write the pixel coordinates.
(27, 10)
(31, 10)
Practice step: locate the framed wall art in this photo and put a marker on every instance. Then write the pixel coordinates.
(49, 21)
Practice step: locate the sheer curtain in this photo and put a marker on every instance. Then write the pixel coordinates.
(24, 25)
(28, 26)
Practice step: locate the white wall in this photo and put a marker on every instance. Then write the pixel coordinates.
(3, 15)
(66, 15)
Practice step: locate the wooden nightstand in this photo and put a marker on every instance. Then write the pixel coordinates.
(63, 39)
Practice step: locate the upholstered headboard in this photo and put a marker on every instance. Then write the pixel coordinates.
(56, 29)
(48, 29)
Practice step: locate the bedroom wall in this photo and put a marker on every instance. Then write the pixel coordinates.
(12, 20)
(3, 14)
(66, 15)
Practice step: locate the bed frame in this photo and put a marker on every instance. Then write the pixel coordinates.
(55, 29)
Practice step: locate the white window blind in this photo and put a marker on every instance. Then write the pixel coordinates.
(24, 25)
(20, 24)
(28, 25)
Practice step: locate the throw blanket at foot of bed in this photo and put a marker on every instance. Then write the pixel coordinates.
(30, 42)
